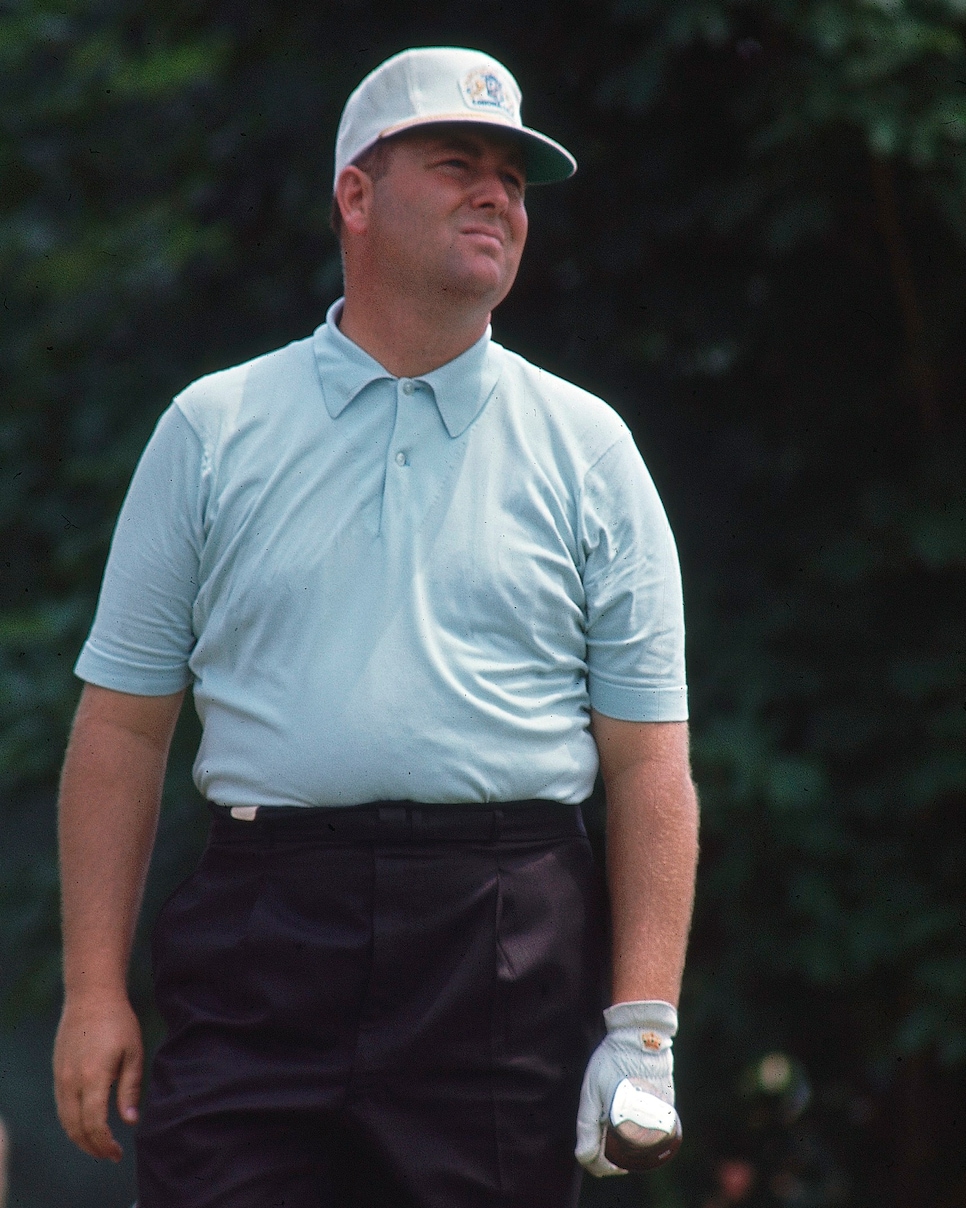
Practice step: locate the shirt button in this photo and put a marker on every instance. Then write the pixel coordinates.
(408, 388)
(400, 458)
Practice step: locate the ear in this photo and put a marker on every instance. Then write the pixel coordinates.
(353, 196)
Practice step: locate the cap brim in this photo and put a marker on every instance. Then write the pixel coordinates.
(546, 161)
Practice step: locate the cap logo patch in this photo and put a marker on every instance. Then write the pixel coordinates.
(483, 90)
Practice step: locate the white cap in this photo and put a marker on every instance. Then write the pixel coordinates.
(443, 84)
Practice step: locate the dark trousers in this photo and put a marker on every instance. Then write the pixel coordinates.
(387, 1006)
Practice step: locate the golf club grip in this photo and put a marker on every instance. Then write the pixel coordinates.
(630, 1156)
(644, 1131)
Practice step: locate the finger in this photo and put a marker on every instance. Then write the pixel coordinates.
(590, 1136)
(68, 1094)
(590, 1153)
(67, 1098)
(96, 1137)
(129, 1084)
(600, 1168)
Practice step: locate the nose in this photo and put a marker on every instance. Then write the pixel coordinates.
(491, 192)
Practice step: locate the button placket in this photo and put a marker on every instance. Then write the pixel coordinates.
(396, 492)
(404, 418)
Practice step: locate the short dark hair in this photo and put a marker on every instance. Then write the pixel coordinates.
(374, 161)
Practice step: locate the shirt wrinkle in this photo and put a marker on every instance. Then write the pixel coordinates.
(387, 588)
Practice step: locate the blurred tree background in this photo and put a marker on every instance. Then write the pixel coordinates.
(761, 263)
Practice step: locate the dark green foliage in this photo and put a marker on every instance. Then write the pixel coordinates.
(761, 264)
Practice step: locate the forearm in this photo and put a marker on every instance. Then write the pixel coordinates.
(652, 845)
(109, 802)
(652, 848)
(651, 857)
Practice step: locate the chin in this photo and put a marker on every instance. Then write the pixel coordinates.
(491, 287)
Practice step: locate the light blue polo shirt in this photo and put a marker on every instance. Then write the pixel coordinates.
(389, 589)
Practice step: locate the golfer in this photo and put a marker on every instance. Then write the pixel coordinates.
(421, 590)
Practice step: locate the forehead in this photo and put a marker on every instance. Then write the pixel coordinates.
(469, 138)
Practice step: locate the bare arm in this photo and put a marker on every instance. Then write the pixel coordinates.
(652, 848)
(110, 795)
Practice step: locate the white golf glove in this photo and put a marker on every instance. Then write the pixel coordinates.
(637, 1045)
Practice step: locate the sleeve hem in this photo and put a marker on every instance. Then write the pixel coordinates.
(95, 667)
(627, 703)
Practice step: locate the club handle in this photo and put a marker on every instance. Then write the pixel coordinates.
(643, 1131)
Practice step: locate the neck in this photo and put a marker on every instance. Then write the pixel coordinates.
(406, 338)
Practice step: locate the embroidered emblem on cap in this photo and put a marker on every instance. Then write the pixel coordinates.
(651, 1040)
(483, 89)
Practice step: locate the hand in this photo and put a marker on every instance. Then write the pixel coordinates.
(637, 1045)
(98, 1043)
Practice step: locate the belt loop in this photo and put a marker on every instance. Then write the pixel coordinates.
(497, 828)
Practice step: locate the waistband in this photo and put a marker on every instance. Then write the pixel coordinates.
(401, 822)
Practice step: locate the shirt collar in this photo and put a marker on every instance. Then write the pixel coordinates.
(460, 387)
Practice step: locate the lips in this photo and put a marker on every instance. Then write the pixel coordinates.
(487, 232)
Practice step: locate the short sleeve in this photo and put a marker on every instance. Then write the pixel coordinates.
(142, 634)
(632, 585)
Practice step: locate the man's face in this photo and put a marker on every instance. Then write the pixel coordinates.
(448, 214)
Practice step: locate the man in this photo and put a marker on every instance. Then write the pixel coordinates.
(420, 588)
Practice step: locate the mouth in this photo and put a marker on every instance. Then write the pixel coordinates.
(485, 232)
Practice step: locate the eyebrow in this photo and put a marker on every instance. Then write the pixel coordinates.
(471, 146)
